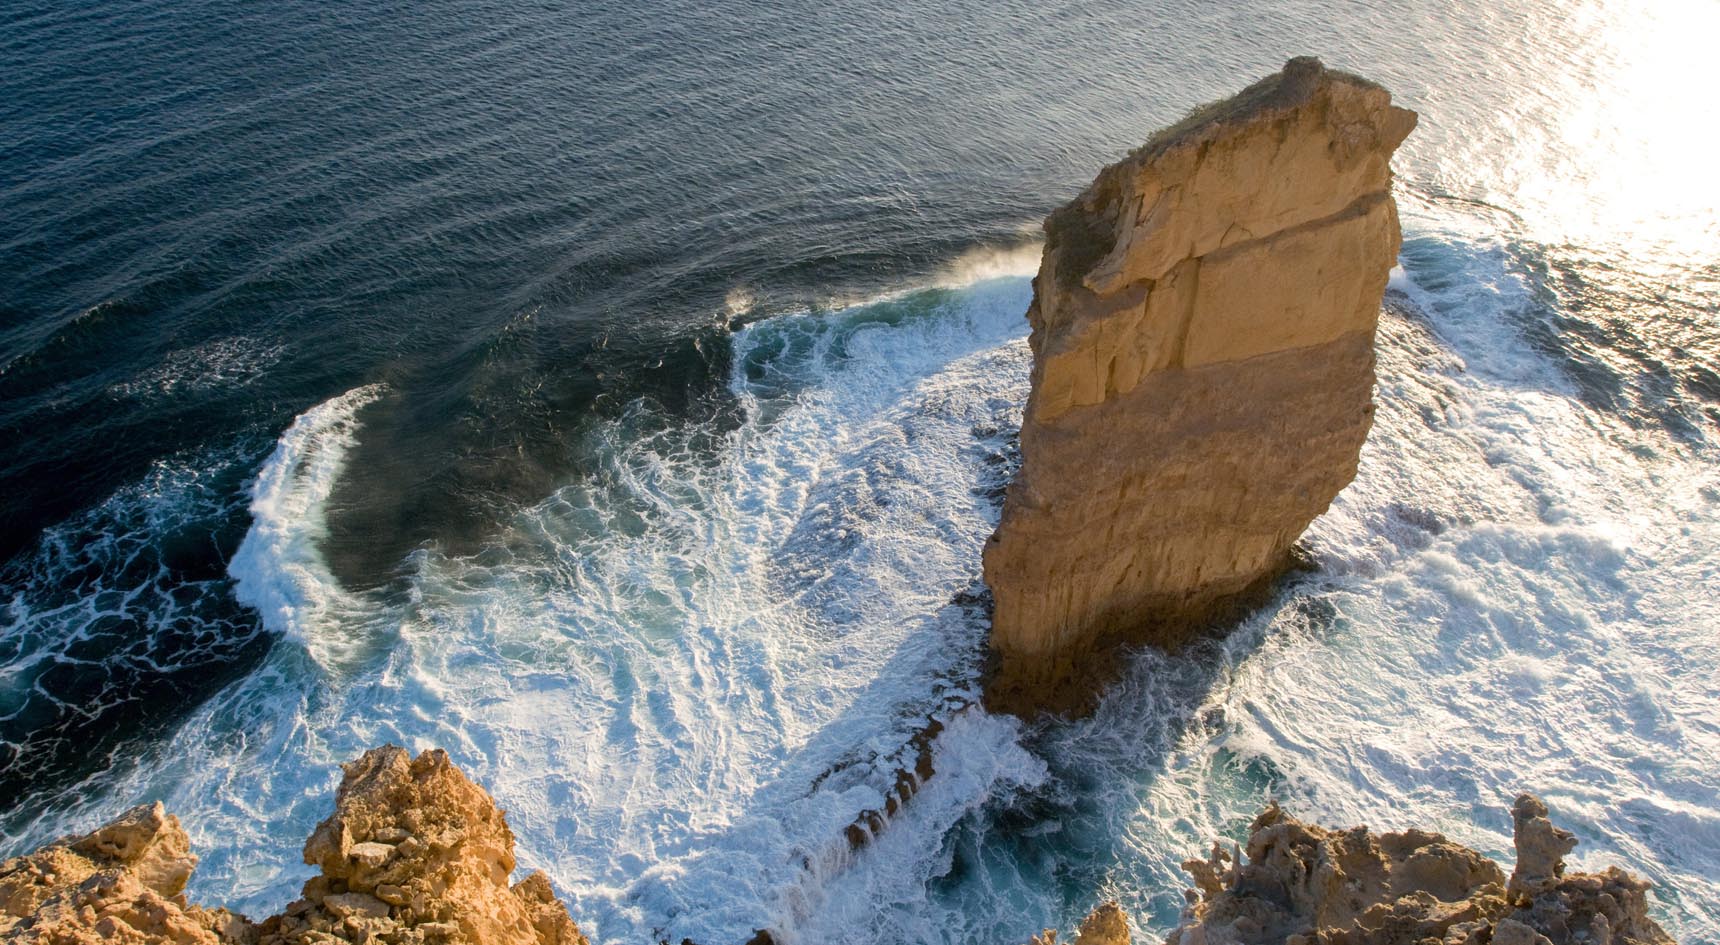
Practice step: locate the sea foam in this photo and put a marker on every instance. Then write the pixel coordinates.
(687, 673)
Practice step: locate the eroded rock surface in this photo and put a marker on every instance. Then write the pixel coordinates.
(414, 853)
(123, 883)
(1203, 324)
(1106, 925)
(1303, 884)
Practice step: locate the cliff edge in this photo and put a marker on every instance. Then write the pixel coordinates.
(1202, 335)
(414, 854)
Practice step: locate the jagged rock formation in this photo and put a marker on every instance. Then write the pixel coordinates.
(414, 853)
(1203, 325)
(1106, 925)
(1304, 884)
(123, 883)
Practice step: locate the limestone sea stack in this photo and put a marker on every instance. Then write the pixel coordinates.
(1203, 369)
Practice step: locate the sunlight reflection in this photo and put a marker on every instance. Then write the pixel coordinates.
(1622, 154)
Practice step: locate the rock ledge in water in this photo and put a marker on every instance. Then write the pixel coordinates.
(1304, 885)
(1203, 369)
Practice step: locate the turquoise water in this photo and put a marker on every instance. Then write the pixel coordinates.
(619, 398)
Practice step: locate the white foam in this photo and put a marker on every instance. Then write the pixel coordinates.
(691, 673)
(1513, 595)
(279, 569)
(685, 676)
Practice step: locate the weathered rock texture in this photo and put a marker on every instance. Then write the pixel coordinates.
(1106, 925)
(121, 884)
(414, 853)
(1304, 885)
(1203, 324)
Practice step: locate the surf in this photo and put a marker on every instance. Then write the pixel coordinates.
(689, 673)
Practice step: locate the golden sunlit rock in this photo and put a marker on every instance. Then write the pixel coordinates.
(1203, 326)
(1303, 884)
(414, 853)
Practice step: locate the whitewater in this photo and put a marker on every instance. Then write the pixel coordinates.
(684, 675)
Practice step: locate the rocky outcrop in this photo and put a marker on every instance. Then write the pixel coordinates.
(1303, 884)
(1203, 325)
(414, 853)
(1106, 925)
(122, 884)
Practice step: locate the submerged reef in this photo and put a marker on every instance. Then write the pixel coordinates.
(1203, 369)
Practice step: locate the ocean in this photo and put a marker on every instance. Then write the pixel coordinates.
(618, 397)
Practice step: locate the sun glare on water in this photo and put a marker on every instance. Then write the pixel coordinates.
(1622, 152)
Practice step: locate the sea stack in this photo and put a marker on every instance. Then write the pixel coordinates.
(1203, 370)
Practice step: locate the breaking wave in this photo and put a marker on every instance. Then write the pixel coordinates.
(279, 570)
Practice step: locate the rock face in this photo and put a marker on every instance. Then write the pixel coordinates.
(1305, 884)
(1203, 324)
(414, 853)
(124, 884)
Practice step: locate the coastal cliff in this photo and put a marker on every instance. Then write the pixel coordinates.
(1202, 334)
(414, 853)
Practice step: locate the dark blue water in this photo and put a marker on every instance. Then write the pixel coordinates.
(537, 227)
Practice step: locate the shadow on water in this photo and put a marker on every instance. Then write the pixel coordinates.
(107, 642)
(1062, 835)
(1065, 833)
(1068, 834)
(462, 443)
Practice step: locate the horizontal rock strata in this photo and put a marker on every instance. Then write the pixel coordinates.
(414, 853)
(1203, 325)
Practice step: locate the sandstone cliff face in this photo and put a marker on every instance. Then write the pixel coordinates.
(1203, 324)
(414, 853)
(1304, 884)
